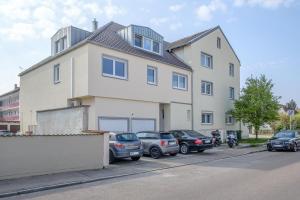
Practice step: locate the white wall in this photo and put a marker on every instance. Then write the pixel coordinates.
(36, 155)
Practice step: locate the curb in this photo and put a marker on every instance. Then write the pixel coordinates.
(73, 183)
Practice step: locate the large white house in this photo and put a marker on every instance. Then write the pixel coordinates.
(132, 80)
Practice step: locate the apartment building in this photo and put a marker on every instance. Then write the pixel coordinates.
(131, 79)
(9, 110)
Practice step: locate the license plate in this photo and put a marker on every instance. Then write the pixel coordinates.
(134, 153)
(277, 145)
(207, 141)
(172, 143)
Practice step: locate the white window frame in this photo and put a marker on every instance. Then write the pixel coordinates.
(125, 77)
(180, 75)
(231, 69)
(206, 56)
(230, 93)
(57, 45)
(219, 46)
(143, 42)
(227, 119)
(211, 87)
(207, 113)
(155, 75)
(56, 73)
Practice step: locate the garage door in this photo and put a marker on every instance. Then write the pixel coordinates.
(143, 125)
(113, 124)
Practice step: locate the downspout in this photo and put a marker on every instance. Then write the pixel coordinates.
(192, 100)
(72, 78)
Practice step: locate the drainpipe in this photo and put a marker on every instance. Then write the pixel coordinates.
(72, 77)
(192, 100)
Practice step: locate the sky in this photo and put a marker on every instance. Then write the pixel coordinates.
(264, 33)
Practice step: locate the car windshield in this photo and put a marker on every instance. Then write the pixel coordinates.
(166, 136)
(194, 134)
(285, 135)
(126, 137)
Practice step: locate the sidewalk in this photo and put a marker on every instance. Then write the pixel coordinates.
(120, 169)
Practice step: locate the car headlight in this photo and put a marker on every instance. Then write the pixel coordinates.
(287, 142)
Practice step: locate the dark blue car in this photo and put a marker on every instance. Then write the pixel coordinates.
(284, 140)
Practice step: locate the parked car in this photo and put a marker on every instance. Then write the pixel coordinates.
(6, 133)
(124, 145)
(190, 140)
(284, 140)
(157, 144)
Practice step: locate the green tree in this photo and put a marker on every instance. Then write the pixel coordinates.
(257, 104)
(291, 105)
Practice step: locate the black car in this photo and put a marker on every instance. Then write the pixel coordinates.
(284, 140)
(190, 140)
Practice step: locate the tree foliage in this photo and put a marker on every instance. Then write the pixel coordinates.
(257, 104)
(291, 105)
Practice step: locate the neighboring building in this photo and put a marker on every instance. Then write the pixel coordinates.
(133, 80)
(9, 110)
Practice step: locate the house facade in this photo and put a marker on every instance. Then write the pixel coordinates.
(9, 110)
(132, 80)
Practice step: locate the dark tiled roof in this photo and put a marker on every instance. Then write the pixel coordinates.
(190, 39)
(108, 37)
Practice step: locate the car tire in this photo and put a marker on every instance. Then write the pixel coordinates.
(155, 152)
(135, 158)
(269, 147)
(173, 154)
(295, 148)
(111, 157)
(184, 149)
(200, 151)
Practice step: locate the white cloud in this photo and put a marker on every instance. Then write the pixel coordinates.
(175, 26)
(263, 3)
(21, 19)
(205, 12)
(159, 21)
(176, 7)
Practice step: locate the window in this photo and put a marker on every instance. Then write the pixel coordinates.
(219, 43)
(147, 44)
(63, 43)
(151, 75)
(206, 87)
(207, 118)
(179, 81)
(229, 119)
(113, 67)
(56, 74)
(231, 93)
(231, 69)
(156, 47)
(206, 60)
(138, 40)
(57, 46)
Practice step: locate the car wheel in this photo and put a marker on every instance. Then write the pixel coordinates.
(155, 152)
(173, 154)
(184, 149)
(269, 147)
(135, 158)
(200, 151)
(295, 148)
(111, 157)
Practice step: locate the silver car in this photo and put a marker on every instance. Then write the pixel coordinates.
(124, 145)
(157, 144)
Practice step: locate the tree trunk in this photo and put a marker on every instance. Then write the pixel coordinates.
(256, 134)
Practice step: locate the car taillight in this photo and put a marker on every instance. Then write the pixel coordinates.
(197, 141)
(162, 143)
(119, 145)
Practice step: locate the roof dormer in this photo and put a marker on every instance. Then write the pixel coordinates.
(143, 38)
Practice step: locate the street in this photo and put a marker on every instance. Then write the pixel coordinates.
(263, 175)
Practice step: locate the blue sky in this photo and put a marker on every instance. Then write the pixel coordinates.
(264, 33)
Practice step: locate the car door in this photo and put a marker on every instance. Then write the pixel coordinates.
(143, 137)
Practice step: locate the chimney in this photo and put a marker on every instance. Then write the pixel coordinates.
(95, 24)
(16, 86)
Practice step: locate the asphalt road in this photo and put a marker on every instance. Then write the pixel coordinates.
(258, 176)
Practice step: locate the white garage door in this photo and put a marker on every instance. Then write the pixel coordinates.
(143, 125)
(113, 124)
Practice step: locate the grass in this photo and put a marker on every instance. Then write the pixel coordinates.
(253, 141)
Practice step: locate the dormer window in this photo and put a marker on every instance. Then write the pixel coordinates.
(146, 44)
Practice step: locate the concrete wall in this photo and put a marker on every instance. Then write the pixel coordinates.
(65, 121)
(36, 155)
